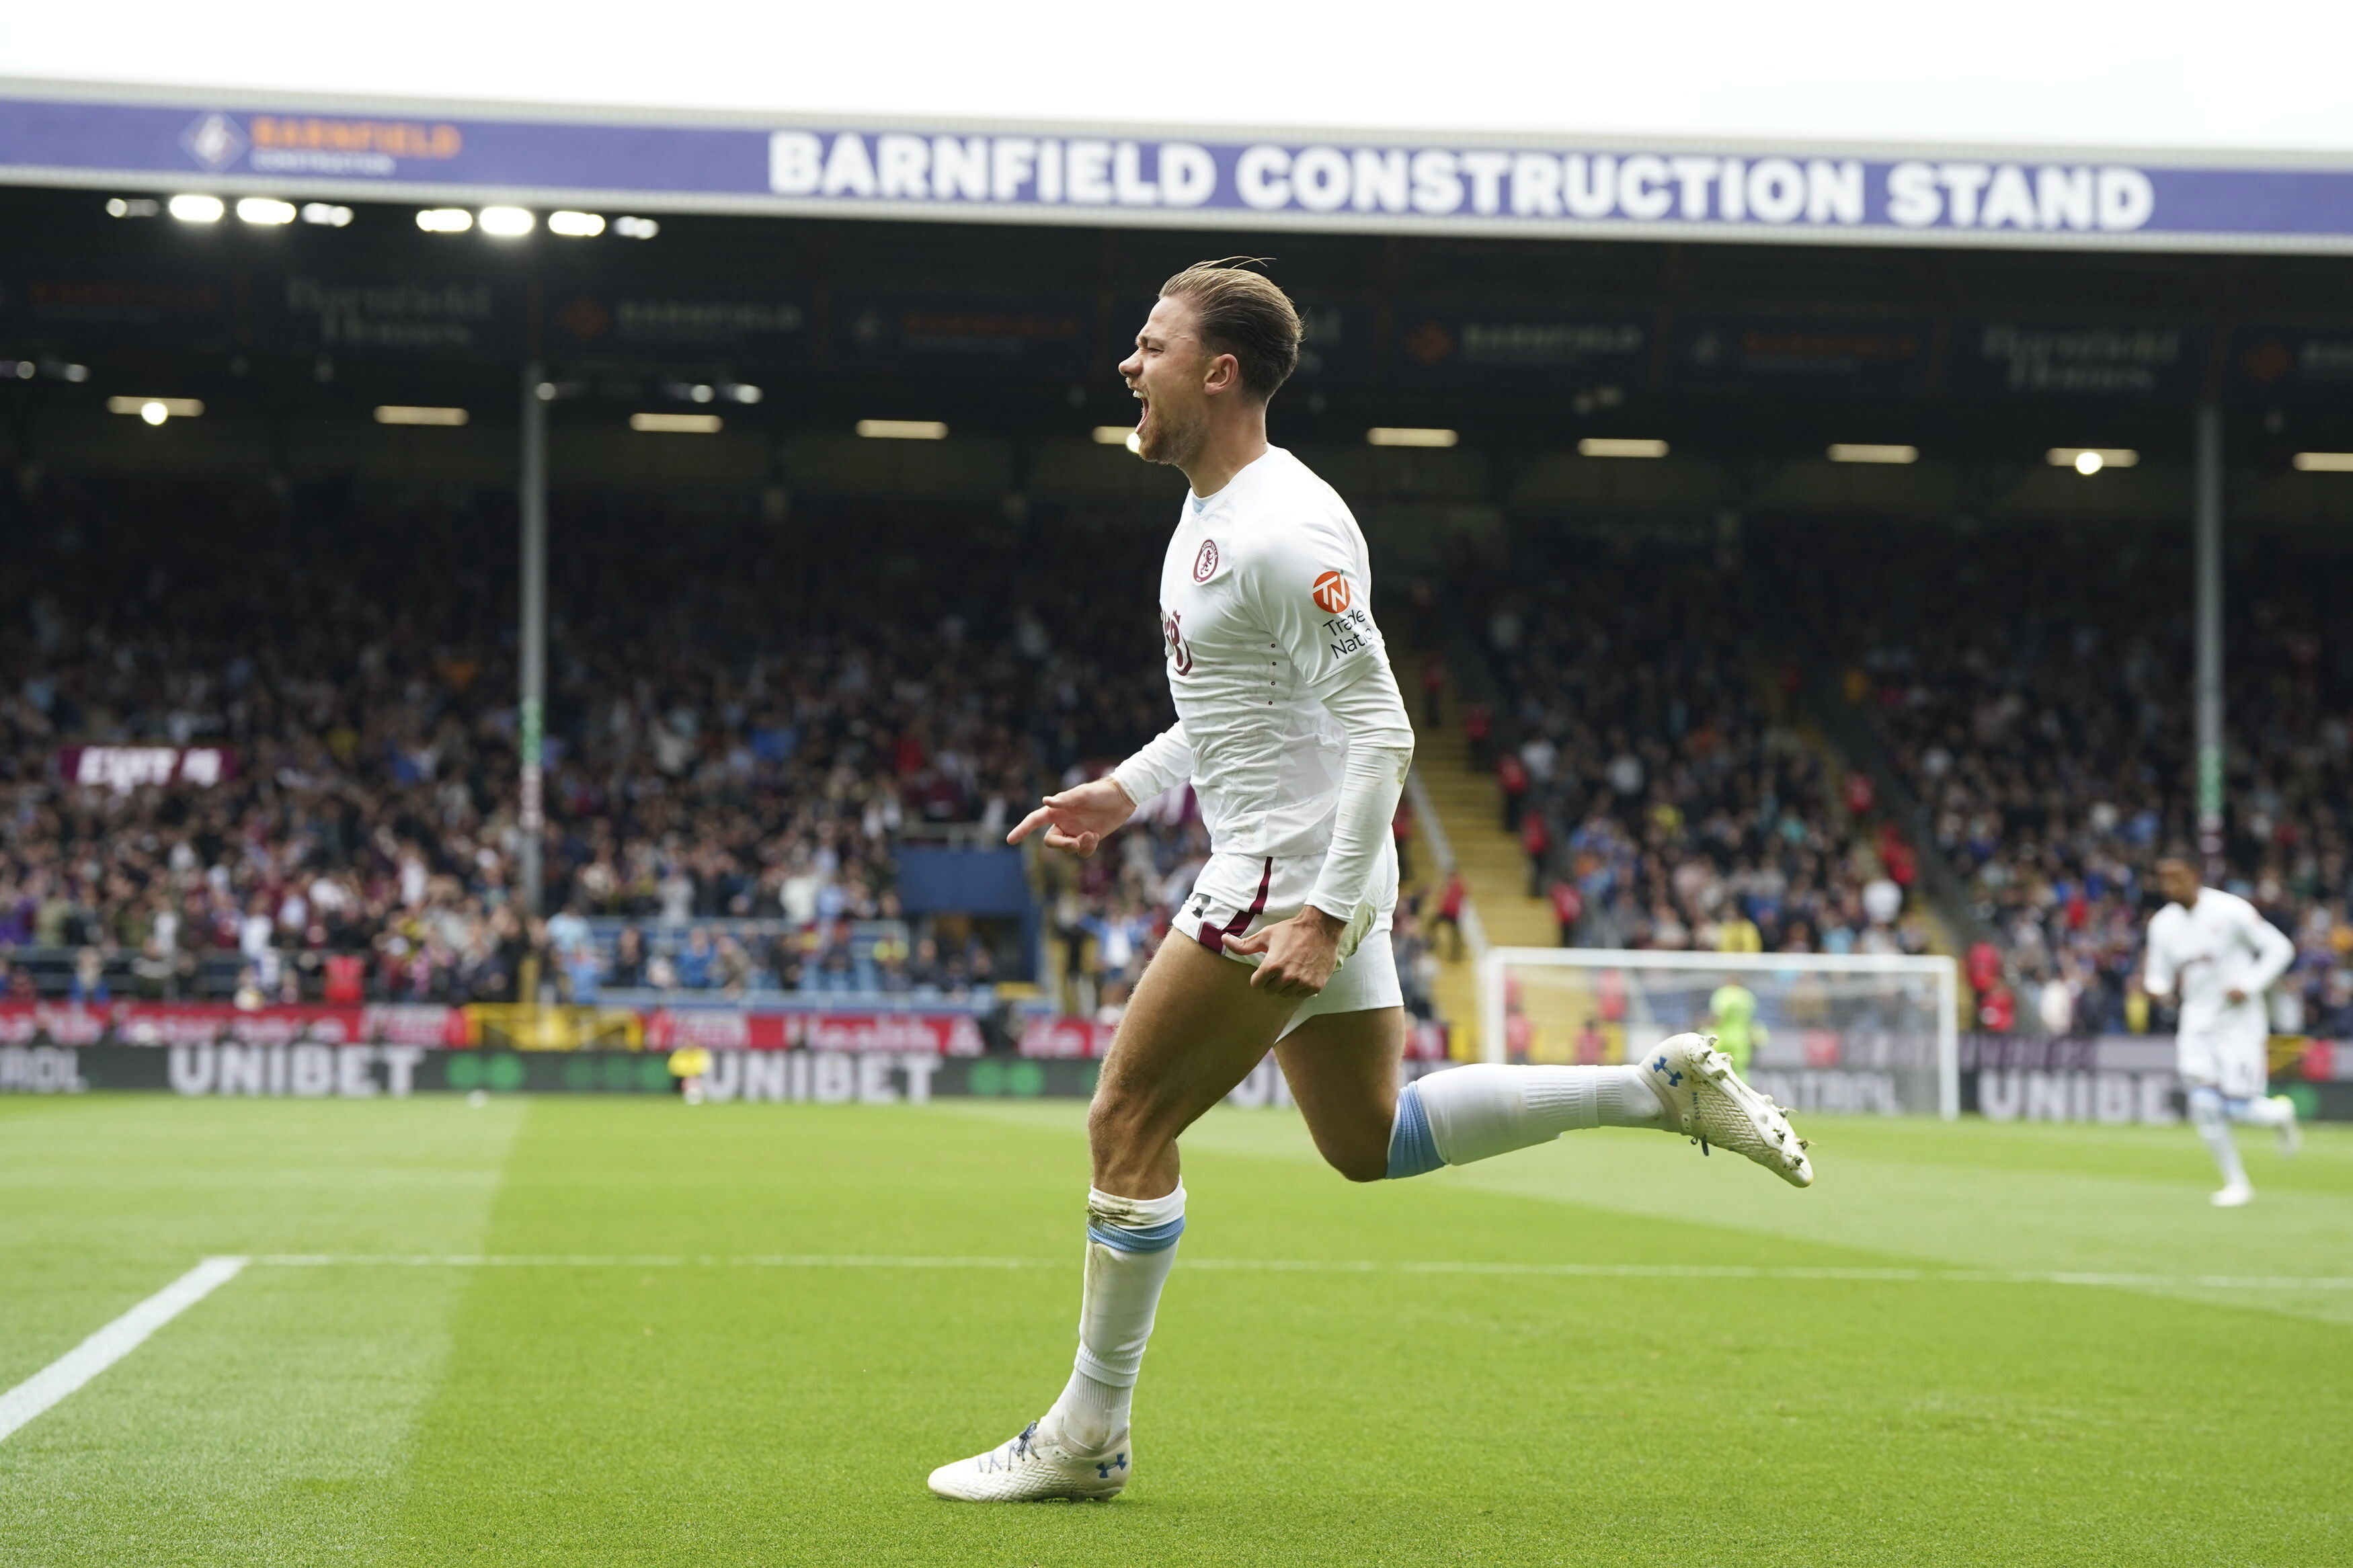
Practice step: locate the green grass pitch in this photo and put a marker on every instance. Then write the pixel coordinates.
(728, 1408)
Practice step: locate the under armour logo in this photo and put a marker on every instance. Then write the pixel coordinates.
(1673, 1079)
(1105, 1469)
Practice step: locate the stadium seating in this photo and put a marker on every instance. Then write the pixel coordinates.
(1651, 733)
(2049, 736)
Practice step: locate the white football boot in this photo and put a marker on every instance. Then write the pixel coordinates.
(2237, 1195)
(1706, 1102)
(2290, 1134)
(1034, 1467)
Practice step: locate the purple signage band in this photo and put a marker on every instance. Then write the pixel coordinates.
(1059, 175)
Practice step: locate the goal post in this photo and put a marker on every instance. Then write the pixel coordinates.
(1861, 1032)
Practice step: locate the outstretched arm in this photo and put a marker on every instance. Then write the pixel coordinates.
(1078, 820)
(1165, 762)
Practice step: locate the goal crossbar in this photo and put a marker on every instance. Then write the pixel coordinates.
(1495, 965)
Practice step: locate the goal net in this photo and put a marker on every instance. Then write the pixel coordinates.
(1853, 1032)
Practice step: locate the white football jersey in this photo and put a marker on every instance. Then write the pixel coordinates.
(2206, 952)
(1266, 609)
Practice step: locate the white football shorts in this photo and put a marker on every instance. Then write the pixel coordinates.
(2230, 1059)
(1238, 894)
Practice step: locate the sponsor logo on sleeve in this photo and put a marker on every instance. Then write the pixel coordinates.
(1347, 627)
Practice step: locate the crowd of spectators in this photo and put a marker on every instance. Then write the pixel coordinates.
(745, 716)
(2034, 690)
(1649, 750)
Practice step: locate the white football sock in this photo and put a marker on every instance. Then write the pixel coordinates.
(2263, 1112)
(2207, 1114)
(1130, 1244)
(1478, 1111)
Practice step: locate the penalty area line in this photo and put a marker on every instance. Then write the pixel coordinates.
(1330, 1266)
(54, 1381)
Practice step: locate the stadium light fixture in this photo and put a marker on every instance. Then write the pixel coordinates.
(2324, 462)
(701, 392)
(408, 414)
(267, 210)
(132, 206)
(191, 208)
(2090, 460)
(327, 214)
(1869, 452)
(1620, 446)
(507, 222)
(741, 392)
(902, 429)
(575, 226)
(1113, 434)
(155, 410)
(444, 220)
(676, 424)
(1410, 436)
(636, 227)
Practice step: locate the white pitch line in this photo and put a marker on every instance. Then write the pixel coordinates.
(112, 1343)
(1337, 1266)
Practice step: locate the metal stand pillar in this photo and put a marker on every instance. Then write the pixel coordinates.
(532, 651)
(2208, 593)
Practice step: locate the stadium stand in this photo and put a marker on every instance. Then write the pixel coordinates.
(737, 748)
(1654, 764)
(2048, 736)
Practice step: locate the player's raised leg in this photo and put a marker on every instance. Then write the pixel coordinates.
(1343, 1073)
(1194, 1029)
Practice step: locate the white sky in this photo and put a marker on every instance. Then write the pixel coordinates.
(2159, 73)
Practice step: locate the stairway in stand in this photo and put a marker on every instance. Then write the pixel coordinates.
(1470, 806)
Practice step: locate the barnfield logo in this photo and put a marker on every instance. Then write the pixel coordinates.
(1332, 593)
(1205, 565)
(213, 141)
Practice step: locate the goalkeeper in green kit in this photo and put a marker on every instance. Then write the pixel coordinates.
(1731, 1019)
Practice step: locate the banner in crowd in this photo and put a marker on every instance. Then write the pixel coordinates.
(1132, 175)
(1053, 1038)
(125, 768)
(944, 1033)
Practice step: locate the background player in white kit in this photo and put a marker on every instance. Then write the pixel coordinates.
(2220, 955)
(1291, 727)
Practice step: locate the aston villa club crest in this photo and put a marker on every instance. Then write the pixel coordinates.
(1205, 565)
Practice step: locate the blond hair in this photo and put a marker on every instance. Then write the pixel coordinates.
(1242, 314)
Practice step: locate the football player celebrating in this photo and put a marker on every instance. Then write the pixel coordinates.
(1292, 730)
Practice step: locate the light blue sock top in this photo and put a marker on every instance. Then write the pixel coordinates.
(1413, 1150)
